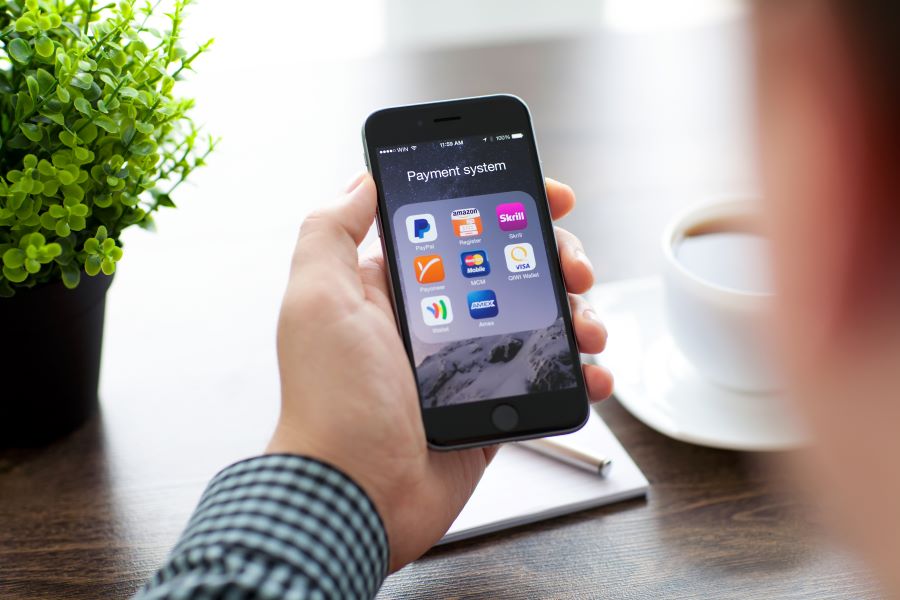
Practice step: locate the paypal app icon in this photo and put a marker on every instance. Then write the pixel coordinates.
(421, 228)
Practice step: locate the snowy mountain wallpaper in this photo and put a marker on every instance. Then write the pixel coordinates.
(497, 367)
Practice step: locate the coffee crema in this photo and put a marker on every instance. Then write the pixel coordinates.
(728, 252)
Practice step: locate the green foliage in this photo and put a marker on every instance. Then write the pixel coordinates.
(92, 138)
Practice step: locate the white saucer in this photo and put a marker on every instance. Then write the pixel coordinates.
(655, 383)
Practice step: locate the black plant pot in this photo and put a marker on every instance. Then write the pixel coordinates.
(50, 343)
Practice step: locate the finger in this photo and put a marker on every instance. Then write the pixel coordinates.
(372, 253)
(374, 278)
(561, 198)
(329, 236)
(589, 330)
(577, 268)
(599, 382)
(489, 453)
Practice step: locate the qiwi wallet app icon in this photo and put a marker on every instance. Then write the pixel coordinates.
(436, 310)
(474, 263)
(519, 257)
(429, 269)
(421, 228)
(511, 216)
(483, 304)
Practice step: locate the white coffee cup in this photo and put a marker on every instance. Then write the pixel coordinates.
(725, 333)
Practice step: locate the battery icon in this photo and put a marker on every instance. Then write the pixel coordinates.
(516, 136)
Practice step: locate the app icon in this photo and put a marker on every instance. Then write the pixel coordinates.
(474, 263)
(421, 228)
(482, 304)
(511, 216)
(429, 269)
(466, 222)
(519, 257)
(436, 310)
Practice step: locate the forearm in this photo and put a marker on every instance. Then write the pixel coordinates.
(277, 526)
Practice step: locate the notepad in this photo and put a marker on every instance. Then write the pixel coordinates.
(521, 486)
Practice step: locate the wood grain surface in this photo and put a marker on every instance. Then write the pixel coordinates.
(716, 524)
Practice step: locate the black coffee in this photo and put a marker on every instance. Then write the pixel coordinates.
(730, 253)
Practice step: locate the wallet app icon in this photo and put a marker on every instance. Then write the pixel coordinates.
(436, 310)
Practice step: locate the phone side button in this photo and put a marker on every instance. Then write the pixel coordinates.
(505, 417)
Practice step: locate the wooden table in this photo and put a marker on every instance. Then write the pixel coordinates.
(639, 125)
(715, 524)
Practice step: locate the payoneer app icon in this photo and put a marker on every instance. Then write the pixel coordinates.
(429, 269)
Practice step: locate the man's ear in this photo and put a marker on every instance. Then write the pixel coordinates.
(820, 170)
(862, 174)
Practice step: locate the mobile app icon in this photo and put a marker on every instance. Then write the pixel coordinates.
(474, 263)
(483, 304)
(466, 222)
(429, 269)
(421, 228)
(436, 310)
(511, 216)
(519, 257)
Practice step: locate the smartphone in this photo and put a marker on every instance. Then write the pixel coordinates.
(474, 271)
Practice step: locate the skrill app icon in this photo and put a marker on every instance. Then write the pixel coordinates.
(511, 216)
(482, 304)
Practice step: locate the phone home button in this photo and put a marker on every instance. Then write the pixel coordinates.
(505, 417)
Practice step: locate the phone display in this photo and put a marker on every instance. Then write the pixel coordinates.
(475, 273)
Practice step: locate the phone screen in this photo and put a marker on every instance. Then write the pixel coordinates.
(479, 288)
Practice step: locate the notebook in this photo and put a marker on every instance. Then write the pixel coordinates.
(521, 486)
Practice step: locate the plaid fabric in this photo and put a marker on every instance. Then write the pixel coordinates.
(277, 526)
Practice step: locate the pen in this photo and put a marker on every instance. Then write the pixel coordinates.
(599, 465)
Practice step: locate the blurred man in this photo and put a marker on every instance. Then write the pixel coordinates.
(829, 105)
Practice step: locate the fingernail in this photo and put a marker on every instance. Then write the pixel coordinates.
(594, 318)
(354, 183)
(580, 255)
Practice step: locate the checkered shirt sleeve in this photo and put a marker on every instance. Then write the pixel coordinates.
(281, 527)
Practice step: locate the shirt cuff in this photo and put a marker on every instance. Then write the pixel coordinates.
(280, 526)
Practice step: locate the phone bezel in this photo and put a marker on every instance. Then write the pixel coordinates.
(470, 424)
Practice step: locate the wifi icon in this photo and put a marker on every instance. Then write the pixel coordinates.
(413, 147)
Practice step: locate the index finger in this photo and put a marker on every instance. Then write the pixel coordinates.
(561, 198)
(329, 237)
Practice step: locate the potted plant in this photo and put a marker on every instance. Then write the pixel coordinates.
(93, 140)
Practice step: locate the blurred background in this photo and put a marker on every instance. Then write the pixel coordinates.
(641, 105)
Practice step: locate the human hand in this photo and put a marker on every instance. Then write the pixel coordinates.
(349, 397)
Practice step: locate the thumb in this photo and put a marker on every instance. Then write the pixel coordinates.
(329, 236)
